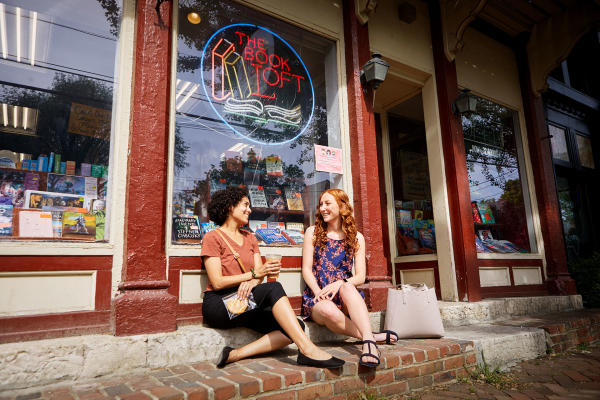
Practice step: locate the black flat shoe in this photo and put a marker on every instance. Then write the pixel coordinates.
(333, 362)
(224, 356)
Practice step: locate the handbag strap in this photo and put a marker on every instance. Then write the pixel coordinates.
(236, 255)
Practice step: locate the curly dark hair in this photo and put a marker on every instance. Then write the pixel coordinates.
(222, 201)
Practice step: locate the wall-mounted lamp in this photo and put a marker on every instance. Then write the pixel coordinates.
(194, 18)
(465, 104)
(374, 71)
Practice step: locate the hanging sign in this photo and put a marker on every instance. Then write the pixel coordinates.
(328, 159)
(257, 84)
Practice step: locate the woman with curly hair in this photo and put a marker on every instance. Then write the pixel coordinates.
(233, 264)
(331, 247)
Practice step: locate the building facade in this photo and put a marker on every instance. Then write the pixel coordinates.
(121, 118)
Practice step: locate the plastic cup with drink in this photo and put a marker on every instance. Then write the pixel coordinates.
(273, 257)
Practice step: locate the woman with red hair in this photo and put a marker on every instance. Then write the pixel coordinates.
(331, 247)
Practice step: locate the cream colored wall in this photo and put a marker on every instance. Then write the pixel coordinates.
(26, 293)
(324, 16)
(489, 69)
(409, 44)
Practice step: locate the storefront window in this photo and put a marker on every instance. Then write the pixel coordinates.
(57, 80)
(499, 194)
(415, 228)
(559, 143)
(584, 147)
(255, 98)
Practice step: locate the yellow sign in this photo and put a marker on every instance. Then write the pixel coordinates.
(89, 121)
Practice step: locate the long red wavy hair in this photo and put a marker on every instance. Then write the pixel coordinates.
(348, 222)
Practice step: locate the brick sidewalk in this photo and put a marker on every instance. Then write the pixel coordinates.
(571, 375)
(409, 365)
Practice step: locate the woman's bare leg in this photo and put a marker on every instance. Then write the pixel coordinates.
(285, 316)
(270, 342)
(359, 314)
(325, 312)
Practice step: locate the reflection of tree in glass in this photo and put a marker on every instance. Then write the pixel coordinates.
(181, 150)
(113, 14)
(490, 144)
(54, 107)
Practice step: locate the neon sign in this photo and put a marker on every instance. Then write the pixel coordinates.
(257, 84)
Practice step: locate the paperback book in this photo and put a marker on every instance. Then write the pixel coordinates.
(6, 219)
(186, 229)
(66, 184)
(295, 237)
(275, 198)
(39, 199)
(274, 165)
(257, 197)
(294, 226)
(77, 225)
(256, 224)
(276, 225)
(294, 200)
(271, 236)
(208, 226)
(486, 213)
(34, 223)
(476, 215)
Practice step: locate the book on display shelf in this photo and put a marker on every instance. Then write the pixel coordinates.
(70, 168)
(271, 236)
(100, 222)
(63, 167)
(274, 165)
(34, 223)
(86, 169)
(96, 170)
(275, 198)
(76, 225)
(50, 162)
(66, 184)
(42, 163)
(276, 225)
(294, 237)
(257, 197)
(39, 199)
(485, 212)
(56, 168)
(6, 219)
(13, 185)
(294, 226)
(256, 224)
(91, 187)
(294, 200)
(208, 226)
(485, 234)
(186, 228)
(476, 215)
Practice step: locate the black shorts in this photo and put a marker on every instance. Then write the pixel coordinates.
(260, 319)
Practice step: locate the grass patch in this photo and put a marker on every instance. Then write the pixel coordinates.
(485, 374)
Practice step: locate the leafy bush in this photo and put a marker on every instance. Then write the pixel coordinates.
(586, 273)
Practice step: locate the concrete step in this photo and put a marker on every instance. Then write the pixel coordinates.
(407, 366)
(490, 310)
(501, 346)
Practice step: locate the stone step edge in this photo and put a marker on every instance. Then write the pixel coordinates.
(418, 364)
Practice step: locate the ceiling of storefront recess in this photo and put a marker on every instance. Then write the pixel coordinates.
(394, 91)
(517, 16)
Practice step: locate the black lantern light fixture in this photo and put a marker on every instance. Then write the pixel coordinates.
(465, 104)
(374, 71)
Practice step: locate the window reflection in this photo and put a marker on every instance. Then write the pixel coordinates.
(253, 96)
(57, 63)
(496, 184)
(559, 143)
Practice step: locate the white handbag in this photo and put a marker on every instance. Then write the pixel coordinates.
(413, 312)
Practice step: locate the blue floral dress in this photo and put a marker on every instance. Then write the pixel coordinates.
(330, 264)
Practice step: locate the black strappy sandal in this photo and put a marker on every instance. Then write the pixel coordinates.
(369, 354)
(388, 336)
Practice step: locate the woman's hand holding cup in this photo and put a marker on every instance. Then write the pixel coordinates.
(273, 265)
